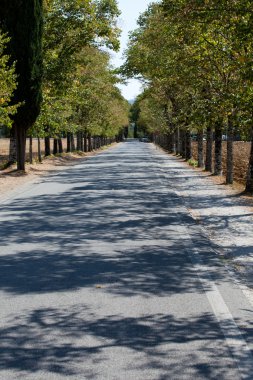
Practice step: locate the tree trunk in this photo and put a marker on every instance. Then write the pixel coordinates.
(230, 151)
(68, 142)
(218, 148)
(89, 144)
(249, 181)
(73, 147)
(178, 141)
(21, 144)
(39, 150)
(23, 22)
(182, 145)
(47, 146)
(55, 150)
(60, 145)
(188, 145)
(170, 142)
(200, 149)
(163, 141)
(173, 142)
(30, 150)
(13, 147)
(85, 148)
(209, 150)
(82, 145)
(78, 143)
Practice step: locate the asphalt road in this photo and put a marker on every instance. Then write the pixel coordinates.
(105, 275)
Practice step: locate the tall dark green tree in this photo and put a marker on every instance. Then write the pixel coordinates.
(23, 21)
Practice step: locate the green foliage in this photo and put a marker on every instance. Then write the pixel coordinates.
(92, 103)
(203, 68)
(22, 20)
(70, 25)
(7, 85)
(151, 115)
(99, 108)
(53, 120)
(79, 87)
(193, 163)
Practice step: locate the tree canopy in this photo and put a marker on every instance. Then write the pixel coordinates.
(7, 84)
(195, 60)
(77, 83)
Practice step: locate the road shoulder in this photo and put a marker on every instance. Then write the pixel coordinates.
(223, 213)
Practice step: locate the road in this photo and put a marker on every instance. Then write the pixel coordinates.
(104, 274)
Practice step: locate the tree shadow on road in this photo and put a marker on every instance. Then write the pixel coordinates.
(81, 237)
(109, 229)
(43, 341)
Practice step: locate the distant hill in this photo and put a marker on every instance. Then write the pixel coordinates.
(131, 101)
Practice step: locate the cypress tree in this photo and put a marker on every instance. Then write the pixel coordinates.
(23, 21)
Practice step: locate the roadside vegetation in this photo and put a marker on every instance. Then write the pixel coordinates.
(195, 61)
(194, 58)
(7, 84)
(55, 77)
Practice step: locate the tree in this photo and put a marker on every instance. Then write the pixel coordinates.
(226, 40)
(98, 107)
(7, 85)
(71, 27)
(22, 20)
(202, 74)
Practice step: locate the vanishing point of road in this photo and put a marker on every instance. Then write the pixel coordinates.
(104, 274)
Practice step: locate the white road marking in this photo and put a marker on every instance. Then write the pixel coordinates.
(235, 341)
(237, 344)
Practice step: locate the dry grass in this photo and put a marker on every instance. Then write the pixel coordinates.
(4, 149)
(241, 159)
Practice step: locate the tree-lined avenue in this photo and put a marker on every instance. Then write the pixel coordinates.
(105, 275)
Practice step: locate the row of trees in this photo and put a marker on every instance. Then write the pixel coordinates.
(55, 75)
(195, 58)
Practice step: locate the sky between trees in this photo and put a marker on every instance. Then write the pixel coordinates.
(130, 11)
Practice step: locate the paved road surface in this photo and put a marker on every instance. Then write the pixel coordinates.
(105, 275)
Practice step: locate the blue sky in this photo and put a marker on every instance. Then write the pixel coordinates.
(130, 10)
